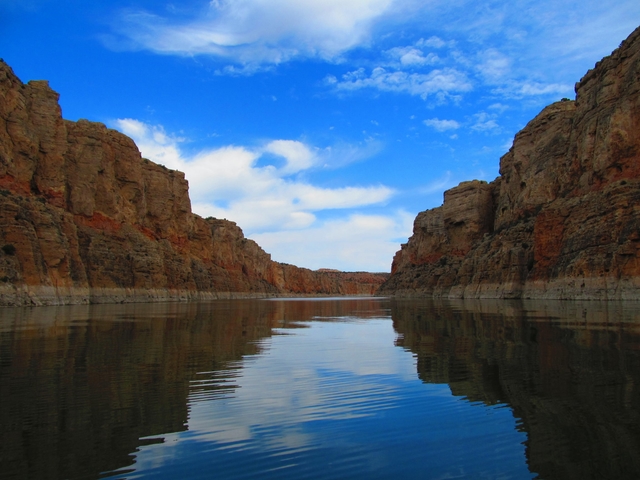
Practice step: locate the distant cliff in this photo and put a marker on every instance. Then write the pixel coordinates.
(84, 218)
(563, 218)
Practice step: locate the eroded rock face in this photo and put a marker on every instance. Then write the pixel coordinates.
(84, 218)
(563, 218)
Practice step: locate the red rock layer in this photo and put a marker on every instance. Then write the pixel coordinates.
(563, 218)
(84, 218)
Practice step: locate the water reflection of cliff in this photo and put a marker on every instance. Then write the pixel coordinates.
(82, 387)
(570, 371)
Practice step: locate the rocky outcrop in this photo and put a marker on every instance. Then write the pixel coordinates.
(84, 218)
(563, 218)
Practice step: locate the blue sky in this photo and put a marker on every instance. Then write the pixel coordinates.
(321, 127)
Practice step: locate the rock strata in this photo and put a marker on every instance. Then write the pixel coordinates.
(85, 219)
(563, 218)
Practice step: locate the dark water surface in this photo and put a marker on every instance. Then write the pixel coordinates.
(332, 388)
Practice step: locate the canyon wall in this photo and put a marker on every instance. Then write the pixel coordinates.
(563, 218)
(84, 219)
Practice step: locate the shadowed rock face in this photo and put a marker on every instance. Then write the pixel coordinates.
(84, 218)
(561, 220)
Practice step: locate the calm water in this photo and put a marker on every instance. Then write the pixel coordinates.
(332, 388)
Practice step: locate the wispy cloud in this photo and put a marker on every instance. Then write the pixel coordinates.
(256, 32)
(440, 82)
(439, 185)
(408, 57)
(479, 122)
(485, 122)
(432, 42)
(493, 65)
(442, 125)
(533, 47)
(521, 48)
(441, 70)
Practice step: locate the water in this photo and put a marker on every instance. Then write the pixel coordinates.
(323, 388)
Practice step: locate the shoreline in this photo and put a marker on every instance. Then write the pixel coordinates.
(571, 289)
(38, 295)
(602, 289)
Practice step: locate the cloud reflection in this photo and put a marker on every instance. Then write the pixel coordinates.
(340, 396)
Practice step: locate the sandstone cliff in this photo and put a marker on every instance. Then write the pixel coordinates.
(563, 218)
(84, 218)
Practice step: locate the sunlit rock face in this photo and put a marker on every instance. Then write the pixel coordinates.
(84, 218)
(562, 219)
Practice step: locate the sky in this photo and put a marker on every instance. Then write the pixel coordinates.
(321, 127)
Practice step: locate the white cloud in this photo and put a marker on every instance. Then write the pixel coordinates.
(342, 154)
(408, 69)
(276, 210)
(298, 155)
(259, 31)
(527, 89)
(523, 48)
(499, 107)
(282, 205)
(485, 122)
(443, 82)
(531, 48)
(432, 42)
(442, 125)
(412, 57)
(153, 142)
(357, 242)
(515, 89)
(493, 65)
(520, 49)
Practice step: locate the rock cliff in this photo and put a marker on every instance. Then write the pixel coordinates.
(563, 218)
(84, 218)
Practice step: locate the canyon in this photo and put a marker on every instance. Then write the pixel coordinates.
(562, 221)
(85, 219)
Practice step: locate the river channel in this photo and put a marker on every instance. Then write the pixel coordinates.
(371, 388)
